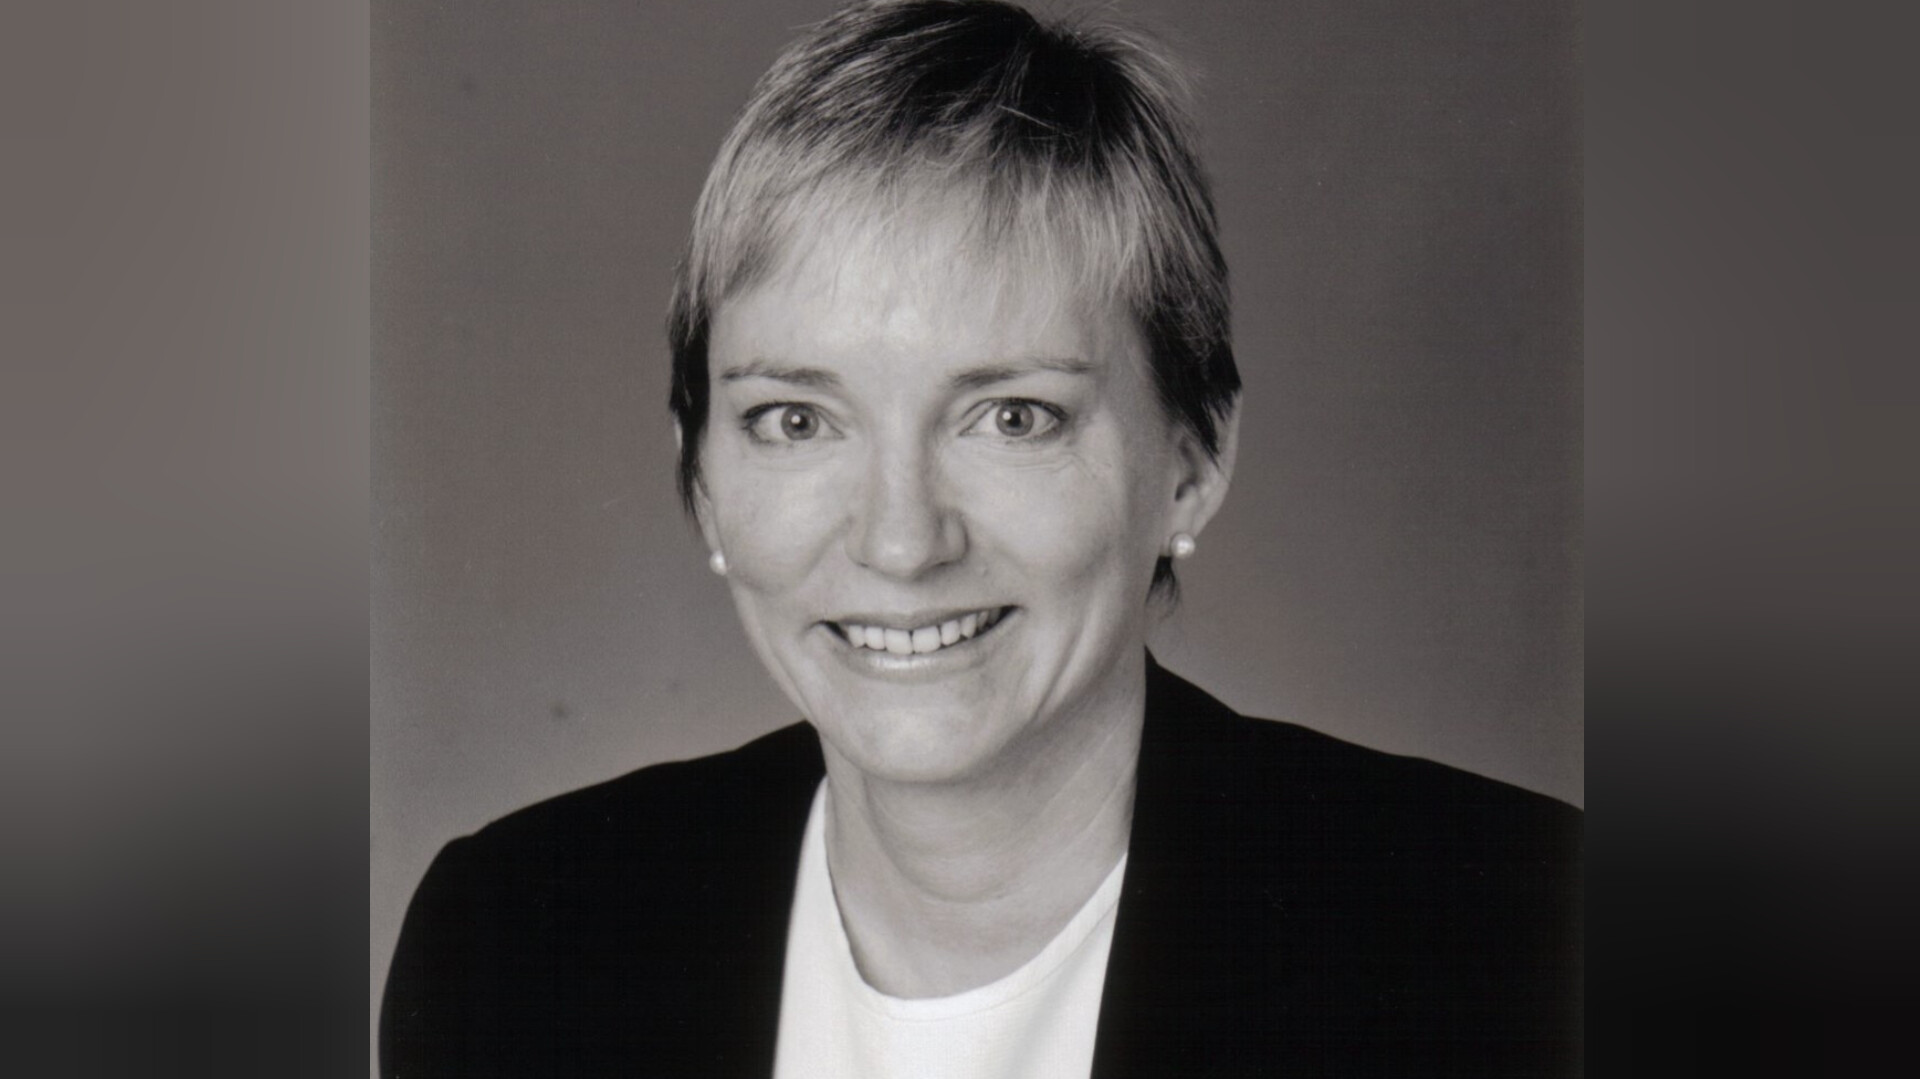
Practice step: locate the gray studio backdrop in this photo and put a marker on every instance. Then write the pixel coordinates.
(1398, 563)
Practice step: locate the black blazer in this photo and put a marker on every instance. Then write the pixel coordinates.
(1293, 906)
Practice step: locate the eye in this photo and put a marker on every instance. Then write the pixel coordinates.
(1014, 419)
(1017, 419)
(781, 422)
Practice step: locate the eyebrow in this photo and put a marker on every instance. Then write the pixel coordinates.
(979, 377)
(813, 377)
(971, 379)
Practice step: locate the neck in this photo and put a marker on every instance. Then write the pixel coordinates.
(946, 887)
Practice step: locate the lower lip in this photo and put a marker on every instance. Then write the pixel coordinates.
(918, 666)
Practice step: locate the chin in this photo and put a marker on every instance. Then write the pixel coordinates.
(910, 746)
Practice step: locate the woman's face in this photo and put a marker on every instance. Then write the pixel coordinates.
(941, 491)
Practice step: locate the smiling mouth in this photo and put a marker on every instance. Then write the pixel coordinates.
(921, 639)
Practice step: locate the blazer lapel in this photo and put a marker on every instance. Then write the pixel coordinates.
(1152, 956)
(1193, 985)
(732, 957)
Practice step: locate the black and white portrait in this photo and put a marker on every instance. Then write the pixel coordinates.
(946, 538)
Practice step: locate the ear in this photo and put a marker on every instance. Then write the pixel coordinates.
(1203, 477)
(702, 509)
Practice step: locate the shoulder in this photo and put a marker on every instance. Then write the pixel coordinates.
(541, 925)
(647, 836)
(1338, 827)
(1361, 798)
(617, 835)
(673, 805)
(1359, 901)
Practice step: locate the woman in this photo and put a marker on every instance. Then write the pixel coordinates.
(954, 391)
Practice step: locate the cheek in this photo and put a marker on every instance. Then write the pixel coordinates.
(773, 526)
(1080, 526)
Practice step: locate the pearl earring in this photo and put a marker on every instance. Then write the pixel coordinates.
(1183, 545)
(717, 562)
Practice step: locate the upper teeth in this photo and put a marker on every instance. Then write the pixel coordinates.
(903, 642)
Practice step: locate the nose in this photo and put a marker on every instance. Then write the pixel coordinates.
(904, 524)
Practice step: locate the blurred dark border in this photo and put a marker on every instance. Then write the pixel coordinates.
(1752, 525)
(183, 230)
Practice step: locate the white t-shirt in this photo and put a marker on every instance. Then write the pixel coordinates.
(1037, 1021)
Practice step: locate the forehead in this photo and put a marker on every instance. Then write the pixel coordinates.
(925, 272)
